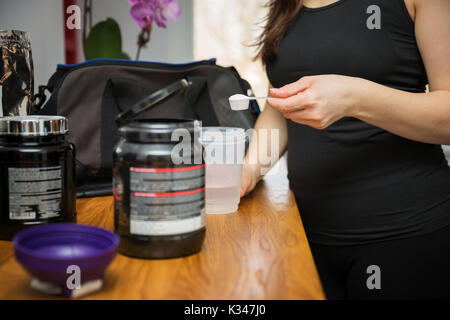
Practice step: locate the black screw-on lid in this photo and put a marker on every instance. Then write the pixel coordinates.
(159, 130)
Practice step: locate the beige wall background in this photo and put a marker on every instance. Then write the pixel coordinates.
(224, 30)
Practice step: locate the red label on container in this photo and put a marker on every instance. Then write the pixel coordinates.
(166, 194)
(164, 170)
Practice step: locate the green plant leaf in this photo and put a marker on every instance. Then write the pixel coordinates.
(105, 41)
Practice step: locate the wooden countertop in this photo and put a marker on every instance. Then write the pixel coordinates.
(260, 252)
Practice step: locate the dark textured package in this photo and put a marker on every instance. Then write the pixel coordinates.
(16, 73)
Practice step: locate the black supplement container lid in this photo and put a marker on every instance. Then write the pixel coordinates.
(156, 130)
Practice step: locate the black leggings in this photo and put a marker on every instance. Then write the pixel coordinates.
(413, 268)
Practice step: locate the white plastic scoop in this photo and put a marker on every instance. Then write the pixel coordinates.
(241, 102)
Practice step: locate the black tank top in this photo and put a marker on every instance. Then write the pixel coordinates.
(356, 183)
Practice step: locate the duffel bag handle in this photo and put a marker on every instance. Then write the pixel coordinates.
(152, 100)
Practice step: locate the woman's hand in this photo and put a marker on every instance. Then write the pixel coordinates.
(250, 178)
(317, 101)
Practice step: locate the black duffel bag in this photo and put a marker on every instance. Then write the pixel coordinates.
(92, 94)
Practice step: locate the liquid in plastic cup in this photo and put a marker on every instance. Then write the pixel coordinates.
(224, 154)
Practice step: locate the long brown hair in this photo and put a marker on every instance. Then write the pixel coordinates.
(281, 13)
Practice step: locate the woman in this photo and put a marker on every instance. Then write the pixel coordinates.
(365, 160)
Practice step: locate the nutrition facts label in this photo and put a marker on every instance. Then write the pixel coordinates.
(34, 193)
(167, 201)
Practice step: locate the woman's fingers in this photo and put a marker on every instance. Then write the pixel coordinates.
(291, 89)
(293, 103)
(309, 118)
(291, 97)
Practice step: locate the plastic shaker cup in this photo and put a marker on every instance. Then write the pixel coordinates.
(224, 151)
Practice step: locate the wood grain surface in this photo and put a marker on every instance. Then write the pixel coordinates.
(259, 252)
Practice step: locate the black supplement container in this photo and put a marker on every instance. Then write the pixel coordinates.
(36, 173)
(159, 188)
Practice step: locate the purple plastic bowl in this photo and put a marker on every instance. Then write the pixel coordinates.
(47, 251)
